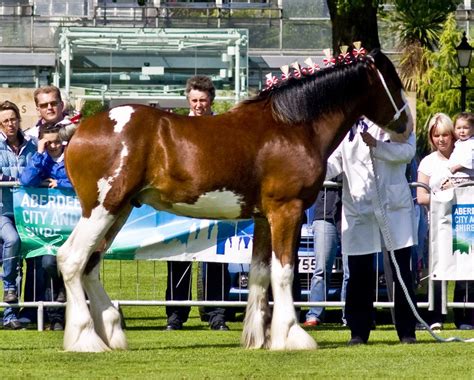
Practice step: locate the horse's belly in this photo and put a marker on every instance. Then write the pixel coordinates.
(213, 205)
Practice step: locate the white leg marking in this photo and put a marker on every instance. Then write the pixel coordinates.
(107, 320)
(286, 334)
(121, 116)
(257, 317)
(79, 334)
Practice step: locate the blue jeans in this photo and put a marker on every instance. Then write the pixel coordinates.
(10, 258)
(326, 241)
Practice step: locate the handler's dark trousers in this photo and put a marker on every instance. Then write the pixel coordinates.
(361, 291)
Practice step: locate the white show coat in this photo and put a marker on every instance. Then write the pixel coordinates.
(361, 213)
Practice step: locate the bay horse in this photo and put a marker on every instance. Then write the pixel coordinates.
(264, 159)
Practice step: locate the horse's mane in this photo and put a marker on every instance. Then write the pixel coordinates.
(330, 89)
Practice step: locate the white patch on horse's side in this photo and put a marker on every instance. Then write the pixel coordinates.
(255, 332)
(121, 116)
(286, 334)
(214, 204)
(105, 184)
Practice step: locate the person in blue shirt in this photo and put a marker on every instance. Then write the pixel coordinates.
(15, 152)
(46, 168)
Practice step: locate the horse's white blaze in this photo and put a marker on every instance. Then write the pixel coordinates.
(121, 116)
(255, 332)
(215, 204)
(286, 334)
(105, 184)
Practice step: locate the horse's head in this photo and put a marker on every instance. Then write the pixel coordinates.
(388, 106)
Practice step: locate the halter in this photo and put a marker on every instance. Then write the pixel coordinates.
(398, 111)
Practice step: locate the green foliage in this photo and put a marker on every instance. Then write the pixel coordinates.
(436, 92)
(344, 6)
(420, 21)
(91, 107)
(222, 106)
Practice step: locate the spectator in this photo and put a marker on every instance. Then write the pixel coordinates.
(462, 166)
(46, 168)
(461, 162)
(441, 138)
(50, 108)
(327, 238)
(15, 152)
(375, 197)
(200, 93)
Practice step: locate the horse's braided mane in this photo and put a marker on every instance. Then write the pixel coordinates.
(301, 100)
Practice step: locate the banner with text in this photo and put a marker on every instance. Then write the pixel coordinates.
(452, 234)
(46, 217)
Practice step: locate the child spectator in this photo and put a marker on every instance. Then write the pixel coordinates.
(46, 168)
(461, 162)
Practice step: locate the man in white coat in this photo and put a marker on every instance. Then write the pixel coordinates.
(376, 198)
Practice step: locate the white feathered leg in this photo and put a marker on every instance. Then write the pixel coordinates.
(286, 334)
(79, 334)
(255, 333)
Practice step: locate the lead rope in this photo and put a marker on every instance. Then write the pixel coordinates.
(388, 239)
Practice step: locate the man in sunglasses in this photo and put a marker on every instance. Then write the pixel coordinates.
(49, 106)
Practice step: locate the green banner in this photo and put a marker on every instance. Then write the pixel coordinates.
(44, 218)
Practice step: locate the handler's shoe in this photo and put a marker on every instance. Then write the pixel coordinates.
(221, 326)
(174, 326)
(356, 341)
(408, 340)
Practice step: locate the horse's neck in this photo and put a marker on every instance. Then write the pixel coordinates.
(330, 131)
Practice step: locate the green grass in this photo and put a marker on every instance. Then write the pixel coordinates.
(198, 353)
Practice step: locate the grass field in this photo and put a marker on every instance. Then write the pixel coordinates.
(198, 353)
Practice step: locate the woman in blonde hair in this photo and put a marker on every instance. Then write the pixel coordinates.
(441, 138)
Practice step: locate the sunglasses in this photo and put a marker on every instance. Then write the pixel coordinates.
(44, 106)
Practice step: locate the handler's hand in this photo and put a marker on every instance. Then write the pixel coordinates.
(368, 139)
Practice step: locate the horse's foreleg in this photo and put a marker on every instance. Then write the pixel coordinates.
(107, 319)
(79, 334)
(286, 333)
(257, 317)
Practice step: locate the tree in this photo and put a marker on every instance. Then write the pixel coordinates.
(437, 90)
(418, 25)
(354, 21)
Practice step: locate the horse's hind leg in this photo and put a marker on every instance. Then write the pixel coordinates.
(286, 333)
(257, 317)
(107, 319)
(73, 256)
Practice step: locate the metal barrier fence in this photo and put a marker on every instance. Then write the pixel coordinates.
(156, 277)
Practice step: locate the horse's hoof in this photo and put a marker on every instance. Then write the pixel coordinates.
(87, 341)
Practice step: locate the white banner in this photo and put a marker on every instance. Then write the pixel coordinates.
(452, 234)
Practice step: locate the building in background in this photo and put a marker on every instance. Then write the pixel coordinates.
(118, 50)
